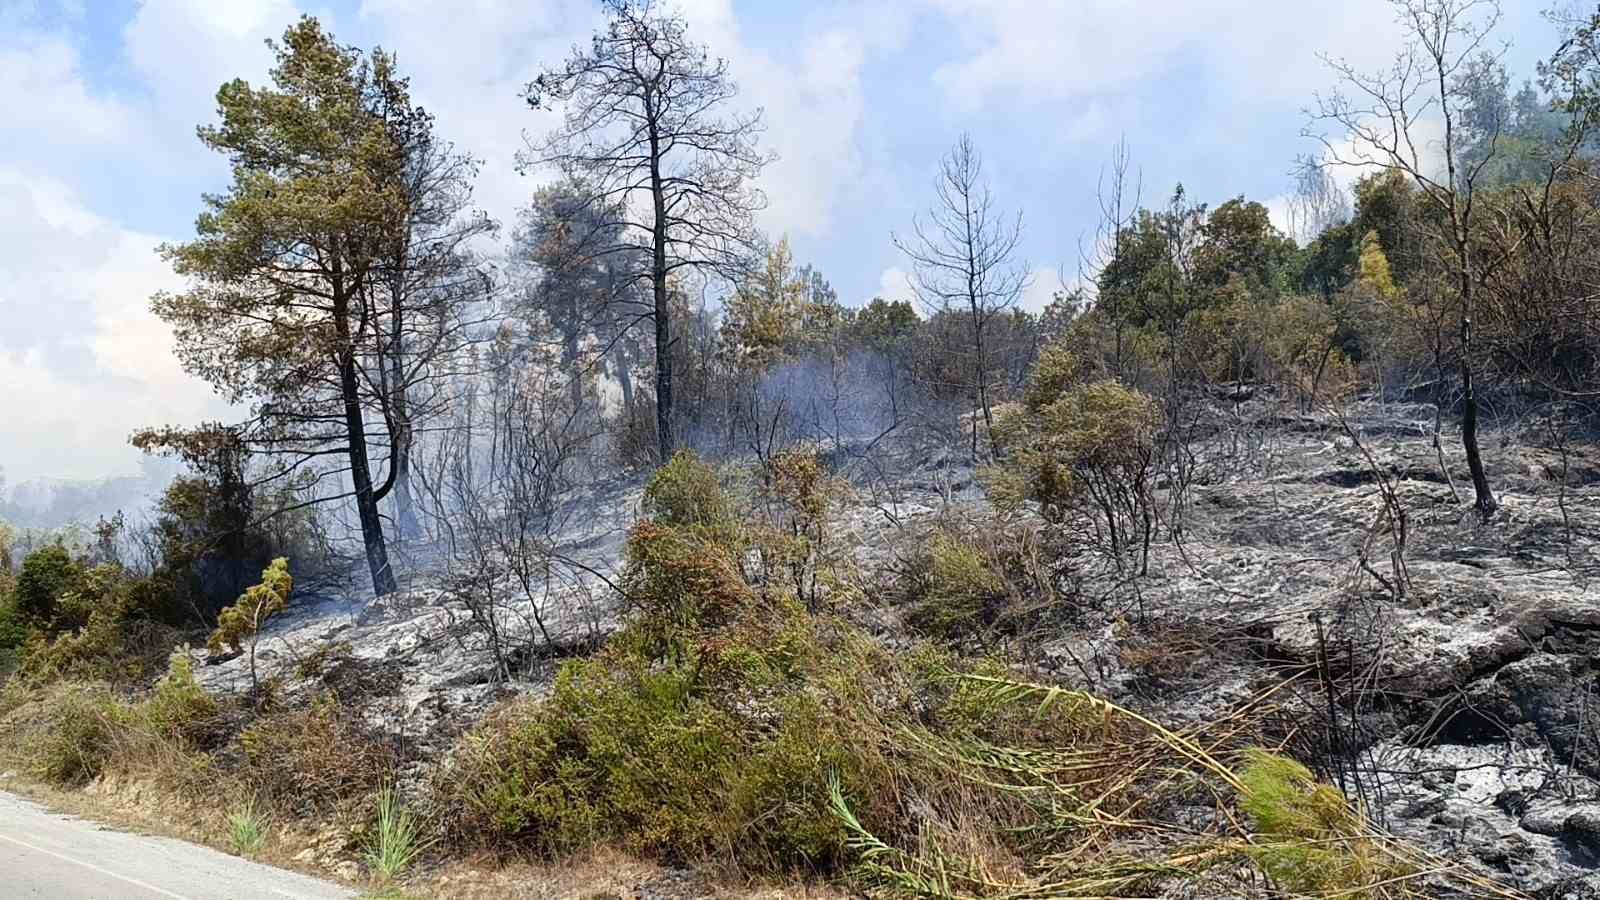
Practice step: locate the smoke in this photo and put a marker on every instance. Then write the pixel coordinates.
(837, 402)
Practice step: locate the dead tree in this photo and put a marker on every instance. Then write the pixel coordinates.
(1380, 118)
(427, 280)
(642, 125)
(962, 258)
(1119, 213)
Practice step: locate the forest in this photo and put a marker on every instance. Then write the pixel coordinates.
(615, 529)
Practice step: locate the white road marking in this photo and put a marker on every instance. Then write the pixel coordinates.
(94, 868)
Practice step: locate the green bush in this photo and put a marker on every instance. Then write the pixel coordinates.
(1084, 453)
(707, 729)
(179, 708)
(78, 736)
(1311, 841)
(658, 761)
(13, 627)
(47, 574)
(685, 493)
(107, 638)
(955, 592)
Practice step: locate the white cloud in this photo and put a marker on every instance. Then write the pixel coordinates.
(895, 284)
(78, 346)
(811, 91)
(1045, 50)
(1043, 284)
(468, 64)
(811, 95)
(42, 93)
(185, 49)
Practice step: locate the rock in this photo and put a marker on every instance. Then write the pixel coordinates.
(1548, 819)
(1583, 829)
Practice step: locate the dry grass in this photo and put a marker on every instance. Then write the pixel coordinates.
(1104, 816)
(600, 875)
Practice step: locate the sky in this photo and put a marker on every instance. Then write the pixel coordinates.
(99, 164)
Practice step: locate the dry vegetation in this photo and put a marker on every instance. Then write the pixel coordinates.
(1264, 566)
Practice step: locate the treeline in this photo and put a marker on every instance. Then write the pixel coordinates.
(346, 291)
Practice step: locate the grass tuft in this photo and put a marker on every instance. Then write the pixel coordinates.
(247, 827)
(396, 840)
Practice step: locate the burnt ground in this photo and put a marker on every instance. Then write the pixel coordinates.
(1463, 714)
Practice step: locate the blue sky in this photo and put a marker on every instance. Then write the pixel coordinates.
(98, 160)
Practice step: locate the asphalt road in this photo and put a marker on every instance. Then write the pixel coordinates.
(46, 855)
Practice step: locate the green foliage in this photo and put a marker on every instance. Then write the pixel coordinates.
(107, 637)
(706, 729)
(681, 582)
(685, 493)
(1300, 344)
(78, 736)
(1054, 373)
(13, 626)
(247, 827)
(883, 324)
(722, 758)
(765, 317)
(243, 620)
(1241, 244)
(396, 839)
(955, 591)
(1084, 452)
(794, 538)
(179, 708)
(1312, 842)
(47, 574)
(1373, 273)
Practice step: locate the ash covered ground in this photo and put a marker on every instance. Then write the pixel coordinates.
(1463, 715)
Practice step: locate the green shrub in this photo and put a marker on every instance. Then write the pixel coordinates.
(108, 639)
(179, 708)
(1085, 454)
(13, 627)
(1312, 841)
(654, 761)
(243, 620)
(955, 592)
(47, 574)
(706, 729)
(78, 735)
(679, 582)
(685, 493)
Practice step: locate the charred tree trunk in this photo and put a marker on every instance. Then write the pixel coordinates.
(663, 322)
(406, 523)
(360, 468)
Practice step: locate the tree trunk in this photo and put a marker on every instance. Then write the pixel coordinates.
(624, 377)
(360, 469)
(658, 283)
(569, 361)
(361, 479)
(405, 506)
(406, 524)
(1486, 503)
